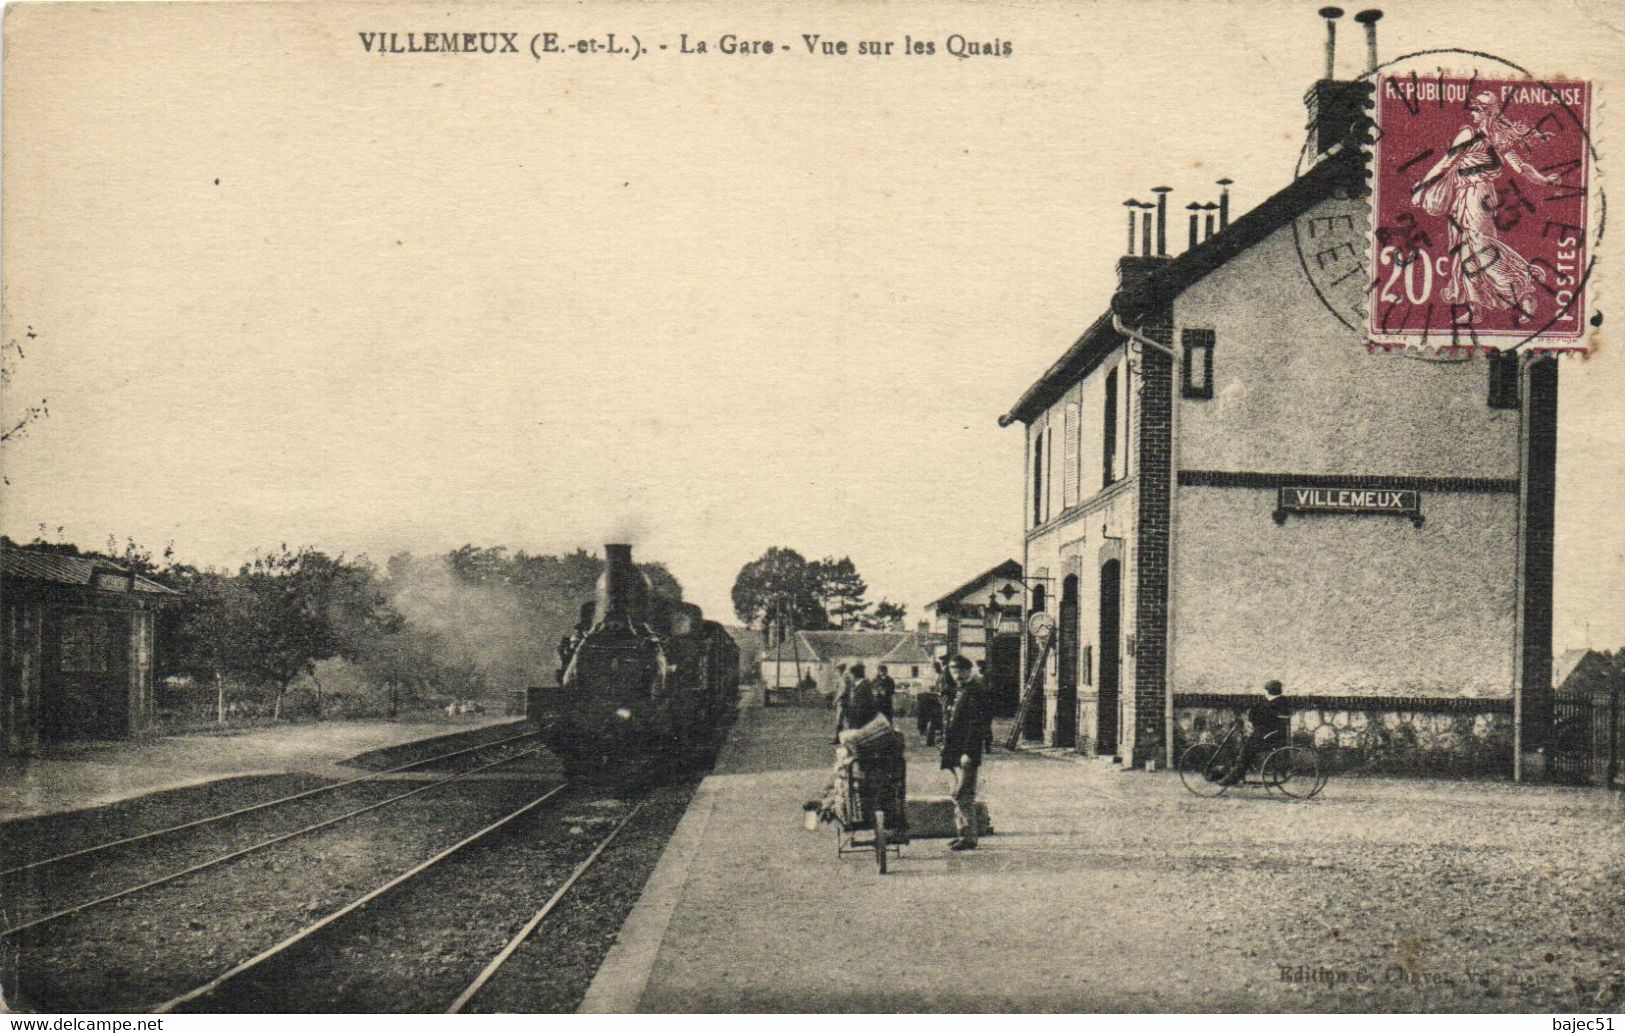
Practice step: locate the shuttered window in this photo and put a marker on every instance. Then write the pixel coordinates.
(1049, 474)
(1038, 478)
(1108, 446)
(1070, 461)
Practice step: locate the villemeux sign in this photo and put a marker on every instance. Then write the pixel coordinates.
(1394, 501)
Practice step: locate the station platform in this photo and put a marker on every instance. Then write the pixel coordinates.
(1105, 890)
(750, 912)
(76, 775)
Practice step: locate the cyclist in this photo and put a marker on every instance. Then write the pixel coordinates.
(1271, 720)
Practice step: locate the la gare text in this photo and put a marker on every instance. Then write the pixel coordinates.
(498, 43)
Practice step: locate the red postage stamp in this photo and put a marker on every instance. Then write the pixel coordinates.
(1479, 213)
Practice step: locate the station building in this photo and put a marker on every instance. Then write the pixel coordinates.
(77, 644)
(1224, 486)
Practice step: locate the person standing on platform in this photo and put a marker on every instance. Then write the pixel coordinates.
(842, 689)
(861, 704)
(928, 715)
(885, 692)
(962, 750)
(987, 710)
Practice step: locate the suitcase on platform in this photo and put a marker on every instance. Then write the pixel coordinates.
(933, 818)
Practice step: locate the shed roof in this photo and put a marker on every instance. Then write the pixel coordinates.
(1007, 569)
(55, 568)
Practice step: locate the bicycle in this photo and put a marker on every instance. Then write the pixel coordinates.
(1208, 769)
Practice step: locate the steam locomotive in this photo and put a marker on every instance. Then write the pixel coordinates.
(646, 680)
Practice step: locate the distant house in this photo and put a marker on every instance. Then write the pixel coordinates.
(76, 653)
(823, 654)
(1584, 671)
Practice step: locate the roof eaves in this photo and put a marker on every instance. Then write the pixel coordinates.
(1009, 568)
(1344, 168)
(1096, 341)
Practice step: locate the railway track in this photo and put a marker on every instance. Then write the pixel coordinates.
(90, 851)
(348, 960)
(263, 844)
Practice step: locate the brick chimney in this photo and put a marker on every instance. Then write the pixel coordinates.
(1337, 107)
(1132, 268)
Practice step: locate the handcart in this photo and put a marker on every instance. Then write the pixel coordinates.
(871, 792)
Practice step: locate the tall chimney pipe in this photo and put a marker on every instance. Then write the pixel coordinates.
(1162, 219)
(1145, 227)
(1224, 203)
(1209, 208)
(1369, 19)
(1196, 215)
(1331, 14)
(1131, 204)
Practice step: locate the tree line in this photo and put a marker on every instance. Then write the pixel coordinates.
(473, 623)
(783, 589)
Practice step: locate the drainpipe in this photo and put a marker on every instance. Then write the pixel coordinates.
(1143, 341)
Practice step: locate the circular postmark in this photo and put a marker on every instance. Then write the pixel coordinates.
(1467, 220)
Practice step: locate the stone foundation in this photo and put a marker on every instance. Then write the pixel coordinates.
(1376, 735)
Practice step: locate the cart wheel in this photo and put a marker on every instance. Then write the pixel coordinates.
(880, 840)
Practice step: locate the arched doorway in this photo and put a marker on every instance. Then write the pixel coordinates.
(1111, 626)
(1066, 699)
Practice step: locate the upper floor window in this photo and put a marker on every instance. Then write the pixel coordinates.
(1197, 369)
(1038, 478)
(1504, 380)
(1069, 464)
(1108, 454)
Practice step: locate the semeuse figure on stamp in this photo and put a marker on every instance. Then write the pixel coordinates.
(962, 750)
(1486, 273)
(1271, 721)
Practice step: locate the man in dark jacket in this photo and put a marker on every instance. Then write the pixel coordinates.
(885, 692)
(962, 750)
(861, 705)
(1271, 718)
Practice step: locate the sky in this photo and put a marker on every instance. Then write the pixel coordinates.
(286, 290)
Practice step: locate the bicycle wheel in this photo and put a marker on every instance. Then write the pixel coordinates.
(880, 840)
(1295, 771)
(1202, 771)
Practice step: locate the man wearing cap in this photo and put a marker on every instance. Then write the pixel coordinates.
(962, 750)
(1271, 718)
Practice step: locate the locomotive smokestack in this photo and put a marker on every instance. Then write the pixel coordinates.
(1331, 14)
(623, 591)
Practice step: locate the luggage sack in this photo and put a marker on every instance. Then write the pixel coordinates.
(933, 818)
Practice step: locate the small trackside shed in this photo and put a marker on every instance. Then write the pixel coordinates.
(76, 648)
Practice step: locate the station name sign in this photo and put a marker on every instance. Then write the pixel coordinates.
(1393, 501)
